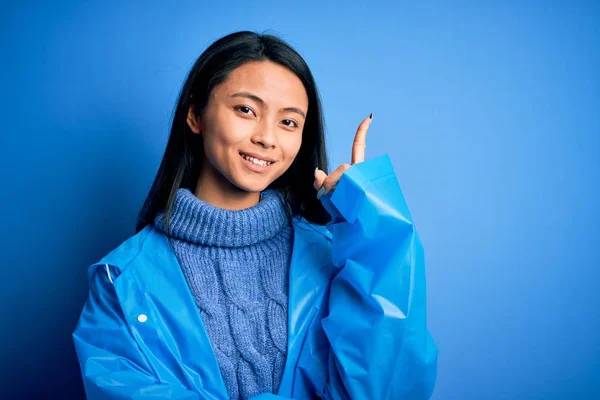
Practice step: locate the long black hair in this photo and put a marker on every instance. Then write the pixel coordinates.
(184, 154)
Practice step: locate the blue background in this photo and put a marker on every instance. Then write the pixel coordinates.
(490, 112)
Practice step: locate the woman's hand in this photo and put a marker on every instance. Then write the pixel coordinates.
(326, 183)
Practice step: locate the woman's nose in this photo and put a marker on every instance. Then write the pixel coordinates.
(264, 135)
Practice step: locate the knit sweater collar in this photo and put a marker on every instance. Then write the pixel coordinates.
(197, 221)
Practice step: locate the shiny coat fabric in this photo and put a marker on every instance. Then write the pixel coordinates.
(357, 311)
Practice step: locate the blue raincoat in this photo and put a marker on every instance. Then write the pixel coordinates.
(357, 320)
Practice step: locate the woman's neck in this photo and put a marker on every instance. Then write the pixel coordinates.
(216, 190)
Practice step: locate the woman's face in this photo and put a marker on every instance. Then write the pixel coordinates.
(260, 111)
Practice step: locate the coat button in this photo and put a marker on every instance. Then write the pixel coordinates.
(142, 318)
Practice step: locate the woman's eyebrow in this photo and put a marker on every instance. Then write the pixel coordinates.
(257, 99)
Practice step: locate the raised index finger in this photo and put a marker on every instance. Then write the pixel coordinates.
(360, 141)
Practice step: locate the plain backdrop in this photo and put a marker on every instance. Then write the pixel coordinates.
(490, 112)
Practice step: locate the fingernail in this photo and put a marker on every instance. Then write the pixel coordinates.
(320, 192)
(371, 116)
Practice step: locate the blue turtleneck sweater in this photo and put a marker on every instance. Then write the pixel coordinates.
(236, 264)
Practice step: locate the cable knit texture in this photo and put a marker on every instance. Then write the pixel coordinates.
(236, 263)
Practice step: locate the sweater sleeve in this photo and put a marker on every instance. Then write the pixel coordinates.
(112, 364)
(376, 326)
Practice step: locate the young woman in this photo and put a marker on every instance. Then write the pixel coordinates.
(255, 274)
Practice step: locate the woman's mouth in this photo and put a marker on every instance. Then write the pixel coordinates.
(255, 164)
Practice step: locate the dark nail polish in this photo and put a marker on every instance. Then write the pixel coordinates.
(371, 116)
(320, 192)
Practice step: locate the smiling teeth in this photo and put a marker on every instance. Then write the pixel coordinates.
(256, 161)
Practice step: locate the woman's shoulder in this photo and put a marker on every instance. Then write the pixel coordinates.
(127, 251)
(310, 229)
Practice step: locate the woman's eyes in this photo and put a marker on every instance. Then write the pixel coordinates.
(245, 110)
(293, 122)
(242, 108)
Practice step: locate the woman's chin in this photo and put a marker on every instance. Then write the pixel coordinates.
(252, 187)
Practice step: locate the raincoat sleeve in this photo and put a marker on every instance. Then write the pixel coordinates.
(376, 326)
(112, 364)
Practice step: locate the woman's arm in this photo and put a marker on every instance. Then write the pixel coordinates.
(376, 326)
(112, 364)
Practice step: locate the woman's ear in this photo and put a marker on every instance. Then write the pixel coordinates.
(193, 120)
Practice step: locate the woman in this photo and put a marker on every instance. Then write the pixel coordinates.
(254, 273)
